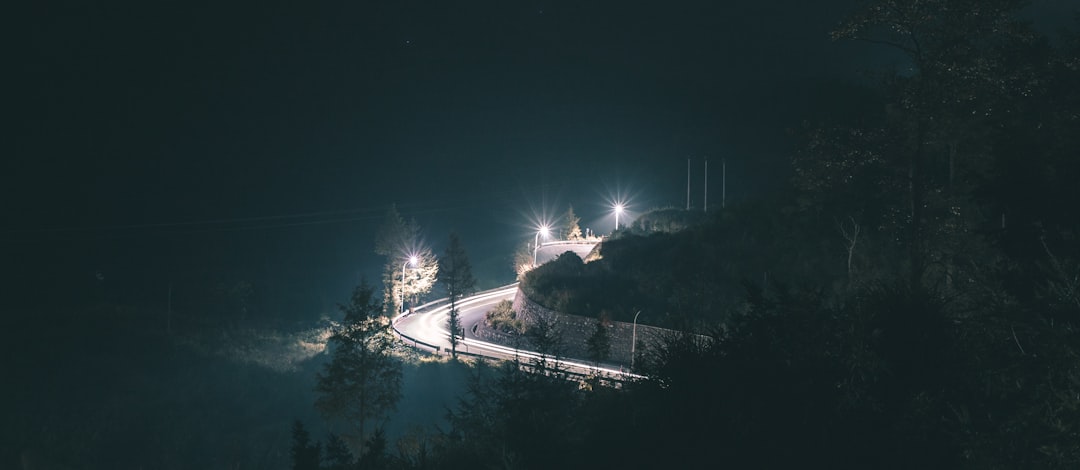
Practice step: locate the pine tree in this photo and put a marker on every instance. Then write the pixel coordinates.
(362, 382)
(573, 231)
(305, 454)
(396, 241)
(947, 128)
(338, 456)
(375, 456)
(599, 343)
(458, 279)
(390, 244)
(547, 339)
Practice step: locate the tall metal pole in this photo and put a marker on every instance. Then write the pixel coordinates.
(687, 184)
(723, 186)
(401, 303)
(633, 340)
(536, 239)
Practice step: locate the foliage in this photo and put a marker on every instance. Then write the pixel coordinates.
(305, 454)
(459, 282)
(572, 229)
(876, 377)
(545, 337)
(666, 220)
(599, 343)
(912, 302)
(390, 233)
(523, 259)
(514, 419)
(337, 456)
(375, 455)
(418, 279)
(362, 382)
(689, 278)
(972, 120)
(503, 318)
(396, 241)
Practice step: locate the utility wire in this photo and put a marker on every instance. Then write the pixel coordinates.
(416, 207)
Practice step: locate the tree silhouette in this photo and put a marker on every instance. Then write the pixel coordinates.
(458, 279)
(396, 241)
(573, 231)
(362, 382)
(599, 343)
(338, 456)
(305, 454)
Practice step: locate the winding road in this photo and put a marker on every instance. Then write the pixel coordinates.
(426, 328)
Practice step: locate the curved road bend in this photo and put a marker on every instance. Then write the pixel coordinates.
(429, 326)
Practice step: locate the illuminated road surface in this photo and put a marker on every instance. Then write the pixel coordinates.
(428, 325)
(551, 250)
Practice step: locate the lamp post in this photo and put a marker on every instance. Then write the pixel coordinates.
(536, 241)
(618, 210)
(633, 340)
(412, 260)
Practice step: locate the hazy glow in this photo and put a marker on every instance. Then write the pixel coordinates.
(619, 202)
(412, 261)
(544, 230)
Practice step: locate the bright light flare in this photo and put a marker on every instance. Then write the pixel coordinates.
(621, 201)
(413, 261)
(619, 209)
(543, 230)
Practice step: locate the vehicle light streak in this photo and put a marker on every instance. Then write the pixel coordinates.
(434, 322)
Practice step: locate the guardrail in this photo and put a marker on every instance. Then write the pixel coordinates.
(601, 372)
(444, 301)
(417, 343)
(570, 242)
(555, 369)
(621, 378)
(434, 303)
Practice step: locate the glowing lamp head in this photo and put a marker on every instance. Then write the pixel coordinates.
(545, 231)
(413, 260)
(618, 208)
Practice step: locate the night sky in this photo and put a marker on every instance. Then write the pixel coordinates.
(158, 142)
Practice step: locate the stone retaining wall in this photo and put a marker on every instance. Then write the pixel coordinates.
(492, 335)
(575, 331)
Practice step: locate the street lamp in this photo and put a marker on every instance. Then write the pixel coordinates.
(544, 230)
(633, 340)
(618, 210)
(412, 260)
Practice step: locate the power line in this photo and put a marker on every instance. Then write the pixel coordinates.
(416, 207)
